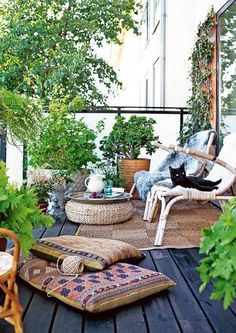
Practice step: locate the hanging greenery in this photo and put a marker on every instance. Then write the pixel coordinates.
(20, 116)
(199, 103)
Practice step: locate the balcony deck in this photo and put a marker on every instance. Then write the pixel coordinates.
(182, 309)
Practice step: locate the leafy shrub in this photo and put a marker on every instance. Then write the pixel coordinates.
(219, 243)
(128, 136)
(64, 143)
(19, 211)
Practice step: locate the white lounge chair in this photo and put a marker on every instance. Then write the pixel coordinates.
(224, 168)
(144, 180)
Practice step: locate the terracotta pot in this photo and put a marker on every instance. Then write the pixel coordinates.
(128, 169)
(3, 244)
(43, 206)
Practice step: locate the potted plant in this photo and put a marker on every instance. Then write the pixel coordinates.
(123, 145)
(41, 181)
(219, 243)
(65, 145)
(19, 211)
(110, 172)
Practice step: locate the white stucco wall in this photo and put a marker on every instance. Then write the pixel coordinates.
(14, 163)
(136, 58)
(134, 63)
(180, 30)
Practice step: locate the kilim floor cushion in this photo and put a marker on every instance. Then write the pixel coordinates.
(118, 285)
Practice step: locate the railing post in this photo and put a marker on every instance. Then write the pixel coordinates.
(25, 162)
(3, 147)
(181, 120)
(119, 111)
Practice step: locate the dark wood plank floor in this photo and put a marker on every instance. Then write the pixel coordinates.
(181, 309)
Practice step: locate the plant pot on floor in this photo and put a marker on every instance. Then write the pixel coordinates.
(129, 167)
(3, 244)
(78, 182)
(43, 206)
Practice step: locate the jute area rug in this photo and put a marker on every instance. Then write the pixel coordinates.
(183, 229)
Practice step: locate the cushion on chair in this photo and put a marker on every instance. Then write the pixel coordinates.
(97, 253)
(118, 285)
(144, 180)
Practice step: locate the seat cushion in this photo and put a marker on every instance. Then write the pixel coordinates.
(97, 253)
(144, 180)
(118, 285)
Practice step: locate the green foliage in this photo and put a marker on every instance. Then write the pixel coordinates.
(48, 48)
(64, 143)
(127, 137)
(19, 211)
(219, 243)
(199, 103)
(20, 115)
(111, 172)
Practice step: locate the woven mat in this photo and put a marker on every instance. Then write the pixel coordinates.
(183, 230)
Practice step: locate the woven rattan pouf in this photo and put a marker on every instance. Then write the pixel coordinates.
(87, 213)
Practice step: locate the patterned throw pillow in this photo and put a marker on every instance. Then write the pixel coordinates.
(118, 285)
(97, 253)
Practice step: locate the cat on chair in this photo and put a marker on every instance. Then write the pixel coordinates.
(178, 177)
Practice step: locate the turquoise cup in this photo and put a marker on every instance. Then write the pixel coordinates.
(108, 188)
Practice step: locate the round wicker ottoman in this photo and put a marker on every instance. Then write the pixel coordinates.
(102, 211)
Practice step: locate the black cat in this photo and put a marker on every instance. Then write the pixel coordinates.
(178, 177)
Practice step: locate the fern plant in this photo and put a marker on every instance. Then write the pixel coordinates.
(219, 243)
(19, 211)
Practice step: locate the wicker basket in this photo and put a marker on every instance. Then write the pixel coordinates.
(88, 213)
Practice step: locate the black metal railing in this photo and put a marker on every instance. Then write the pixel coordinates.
(148, 110)
(119, 110)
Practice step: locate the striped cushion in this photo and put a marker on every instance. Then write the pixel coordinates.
(118, 285)
(97, 253)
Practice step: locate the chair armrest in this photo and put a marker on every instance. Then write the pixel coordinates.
(204, 156)
(160, 145)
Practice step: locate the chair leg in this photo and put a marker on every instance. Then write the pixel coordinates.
(153, 207)
(222, 202)
(17, 309)
(148, 202)
(160, 231)
(132, 189)
(12, 305)
(156, 211)
(18, 323)
(165, 209)
(162, 223)
(151, 202)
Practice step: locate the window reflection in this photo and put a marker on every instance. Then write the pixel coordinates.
(227, 68)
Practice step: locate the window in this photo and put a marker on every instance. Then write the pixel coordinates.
(147, 91)
(156, 13)
(147, 21)
(156, 83)
(226, 56)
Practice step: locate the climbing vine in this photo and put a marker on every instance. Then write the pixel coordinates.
(199, 103)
